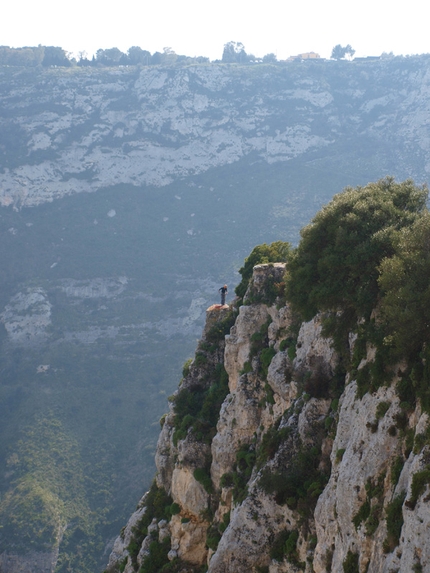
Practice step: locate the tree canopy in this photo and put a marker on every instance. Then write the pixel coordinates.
(234, 52)
(404, 281)
(335, 267)
(339, 52)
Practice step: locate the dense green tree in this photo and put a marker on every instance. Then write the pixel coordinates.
(110, 57)
(339, 52)
(234, 52)
(336, 265)
(169, 56)
(270, 59)
(157, 58)
(28, 56)
(405, 285)
(55, 56)
(138, 56)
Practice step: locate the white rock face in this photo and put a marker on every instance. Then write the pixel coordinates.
(238, 343)
(189, 539)
(188, 492)
(170, 132)
(94, 288)
(239, 418)
(27, 316)
(312, 348)
(152, 126)
(119, 550)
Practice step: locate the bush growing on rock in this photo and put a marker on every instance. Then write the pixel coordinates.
(335, 267)
(364, 263)
(276, 252)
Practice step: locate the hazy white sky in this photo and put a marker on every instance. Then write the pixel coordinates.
(196, 28)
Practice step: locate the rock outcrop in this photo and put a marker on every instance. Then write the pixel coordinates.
(301, 473)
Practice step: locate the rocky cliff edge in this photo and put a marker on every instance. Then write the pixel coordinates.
(270, 461)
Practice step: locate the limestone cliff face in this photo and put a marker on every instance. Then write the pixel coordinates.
(82, 130)
(295, 471)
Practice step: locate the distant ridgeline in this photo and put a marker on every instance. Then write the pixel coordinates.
(233, 52)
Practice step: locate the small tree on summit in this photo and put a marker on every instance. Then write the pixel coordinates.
(339, 52)
(270, 59)
(138, 56)
(234, 52)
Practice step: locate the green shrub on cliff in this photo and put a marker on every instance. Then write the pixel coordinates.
(198, 407)
(404, 280)
(276, 252)
(159, 505)
(336, 265)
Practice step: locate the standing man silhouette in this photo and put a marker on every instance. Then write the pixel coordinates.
(223, 290)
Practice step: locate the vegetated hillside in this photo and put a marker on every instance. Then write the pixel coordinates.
(129, 195)
(304, 446)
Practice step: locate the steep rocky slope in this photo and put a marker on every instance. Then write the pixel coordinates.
(301, 473)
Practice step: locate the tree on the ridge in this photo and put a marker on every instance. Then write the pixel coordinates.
(404, 280)
(55, 56)
(335, 267)
(270, 58)
(110, 57)
(27, 57)
(234, 52)
(169, 56)
(339, 52)
(138, 56)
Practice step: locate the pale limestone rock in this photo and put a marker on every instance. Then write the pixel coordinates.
(278, 328)
(144, 550)
(312, 348)
(192, 453)
(119, 550)
(188, 492)
(189, 539)
(163, 455)
(197, 142)
(313, 414)
(153, 526)
(367, 454)
(109, 287)
(361, 445)
(279, 379)
(413, 547)
(239, 418)
(238, 343)
(214, 314)
(246, 540)
(261, 274)
(27, 316)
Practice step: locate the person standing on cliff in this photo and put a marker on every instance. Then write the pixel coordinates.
(223, 290)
